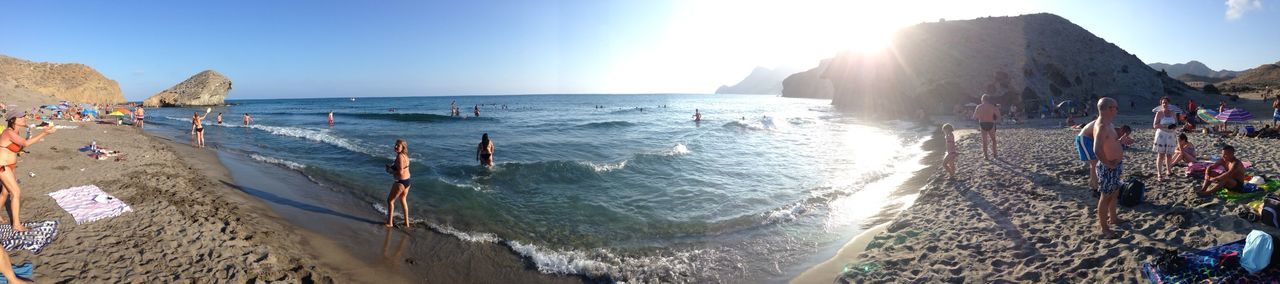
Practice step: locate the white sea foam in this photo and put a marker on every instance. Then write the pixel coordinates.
(679, 149)
(563, 262)
(318, 135)
(606, 167)
(278, 161)
(465, 236)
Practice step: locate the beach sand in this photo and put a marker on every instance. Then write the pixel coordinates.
(1029, 217)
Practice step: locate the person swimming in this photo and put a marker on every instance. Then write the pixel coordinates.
(399, 169)
(484, 151)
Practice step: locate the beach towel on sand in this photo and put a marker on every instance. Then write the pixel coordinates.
(1218, 264)
(23, 271)
(1261, 190)
(38, 235)
(88, 203)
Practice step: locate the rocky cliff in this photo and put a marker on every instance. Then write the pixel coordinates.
(1030, 60)
(66, 81)
(761, 81)
(206, 88)
(808, 84)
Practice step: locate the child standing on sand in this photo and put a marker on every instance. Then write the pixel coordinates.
(949, 161)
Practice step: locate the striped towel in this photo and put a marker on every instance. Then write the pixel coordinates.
(88, 203)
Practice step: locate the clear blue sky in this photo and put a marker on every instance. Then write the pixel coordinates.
(281, 49)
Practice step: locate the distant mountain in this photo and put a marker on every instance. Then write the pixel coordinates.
(761, 81)
(1194, 68)
(1265, 75)
(1030, 60)
(1197, 78)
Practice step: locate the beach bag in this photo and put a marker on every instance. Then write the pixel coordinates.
(1132, 192)
(1257, 251)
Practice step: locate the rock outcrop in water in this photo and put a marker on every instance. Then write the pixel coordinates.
(761, 81)
(68, 81)
(1030, 60)
(206, 88)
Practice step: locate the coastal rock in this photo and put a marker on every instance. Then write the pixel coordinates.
(67, 81)
(1264, 75)
(808, 84)
(761, 81)
(1031, 60)
(206, 88)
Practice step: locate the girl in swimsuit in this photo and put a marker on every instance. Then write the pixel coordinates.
(198, 128)
(400, 188)
(484, 151)
(949, 161)
(13, 143)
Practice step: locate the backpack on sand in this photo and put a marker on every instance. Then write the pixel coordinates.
(1132, 192)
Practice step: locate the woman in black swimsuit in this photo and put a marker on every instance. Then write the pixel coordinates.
(400, 188)
(484, 151)
(198, 128)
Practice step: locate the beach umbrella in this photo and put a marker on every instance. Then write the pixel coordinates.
(1173, 108)
(116, 113)
(123, 110)
(1234, 115)
(1208, 116)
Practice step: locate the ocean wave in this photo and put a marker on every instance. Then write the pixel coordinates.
(443, 229)
(563, 262)
(677, 150)
(608, 124)
(605, 167)
(411, 117)
(318, 135)
(277, 161)
(743, 125)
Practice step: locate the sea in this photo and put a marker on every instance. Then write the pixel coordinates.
(613, 187)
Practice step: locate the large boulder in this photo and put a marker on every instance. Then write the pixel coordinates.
(207, 88)
(67, 81)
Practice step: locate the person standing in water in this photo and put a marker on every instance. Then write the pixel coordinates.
(219, 118)
(697, 116)
(330, 118)
(247, 119)
(484, 151)
(477, 110)
(12, 144)
(400, 188)
(987, 114)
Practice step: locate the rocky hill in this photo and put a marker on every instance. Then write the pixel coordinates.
(1194, 68)
(206, 88)
(1030, 60)
(1264, 75)
(66, 81)
(808, 84)
(761, 81)
(1189, 78)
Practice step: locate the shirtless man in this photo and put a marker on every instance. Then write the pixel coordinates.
(1232, 180)
(987, 114)
(247, 119)
(1084, 149)
(1106, 144)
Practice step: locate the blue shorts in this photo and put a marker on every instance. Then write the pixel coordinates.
(1275, 115)
(1109, 178)
(1084, 148)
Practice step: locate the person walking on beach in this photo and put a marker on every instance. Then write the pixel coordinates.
(1084, 149)
(1165, 141)
(138, 115)
(1106, 145)
(219, 118)
(1232, 180)
(330, 118)
(400, 188)
(197, 122)
(1275, 113)
(987, 115)
(949, 161)
(484, 151)
(12, 143)
(247, 119)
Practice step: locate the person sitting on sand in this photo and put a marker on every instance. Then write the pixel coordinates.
(13, 143)
(1071, 122)
(1084, 150)
(987, 115)
(400, 188)
(197, 122)
(1106, 145)
(949, 161)
(1232, 180)
(247, 119)
(1186, 151)
(697, 116)
(138, 115)
(484, 151)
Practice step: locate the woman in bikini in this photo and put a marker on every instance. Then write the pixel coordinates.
(484, 151)
(400, 188)
(12, 143)
(197, 127)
